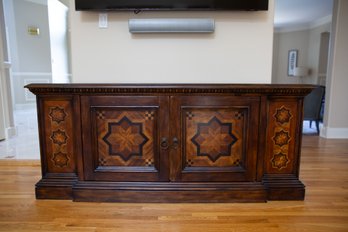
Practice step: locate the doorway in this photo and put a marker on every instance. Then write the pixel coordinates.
(36, 38)
(302, 26)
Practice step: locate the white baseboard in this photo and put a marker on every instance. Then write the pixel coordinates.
(334, 133)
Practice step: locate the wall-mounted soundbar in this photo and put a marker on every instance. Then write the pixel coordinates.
(163, 25)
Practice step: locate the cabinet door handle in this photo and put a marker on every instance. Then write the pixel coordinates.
(175, 143)
(164, 143)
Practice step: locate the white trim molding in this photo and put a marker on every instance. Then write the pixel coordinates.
(303, 26)
(321, 21)
(334, 133)
(31, 74)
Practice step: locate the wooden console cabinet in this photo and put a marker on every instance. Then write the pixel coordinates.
(170, 143)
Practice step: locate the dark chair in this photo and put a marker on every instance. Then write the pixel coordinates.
(313, 104)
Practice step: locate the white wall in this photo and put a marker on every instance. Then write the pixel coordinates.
(240, 50)
(3, 110)
(7, 127)
(336, 117)
(58, 23)
(30, 55)
(2, 113)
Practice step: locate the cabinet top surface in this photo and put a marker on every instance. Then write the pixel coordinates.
(172, 89)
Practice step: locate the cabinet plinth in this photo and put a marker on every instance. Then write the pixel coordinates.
(170, 143)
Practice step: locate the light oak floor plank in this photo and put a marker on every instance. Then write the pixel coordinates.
(324, 171)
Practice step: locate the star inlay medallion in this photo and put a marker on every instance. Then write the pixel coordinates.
(57, 114)
(60, 159)
(280, 161)
(281, 138)
(125, 139)
(283, 115)
(59, 137)
(214, 139)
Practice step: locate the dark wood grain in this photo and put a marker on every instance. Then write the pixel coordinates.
(170, 142)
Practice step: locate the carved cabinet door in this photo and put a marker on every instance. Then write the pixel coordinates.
(214, 138)
(122, 137)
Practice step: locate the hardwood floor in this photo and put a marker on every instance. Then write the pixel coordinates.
(324, 171)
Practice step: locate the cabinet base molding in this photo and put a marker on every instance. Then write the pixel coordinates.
(164, 192)
(55, 188)
(140, 192)
(284, 187)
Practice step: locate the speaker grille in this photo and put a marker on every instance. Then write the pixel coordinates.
(171, 25)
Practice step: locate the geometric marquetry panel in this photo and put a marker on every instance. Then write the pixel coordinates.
(281, 138)
(281, 124)
(125, 137)
(58, 130)
(214, 137)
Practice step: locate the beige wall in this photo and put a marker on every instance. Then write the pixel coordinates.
(240, 50)
(307, 42)
(336, 115)
(283, 42)
(314, 51)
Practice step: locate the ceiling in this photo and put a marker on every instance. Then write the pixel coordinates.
(290, 14)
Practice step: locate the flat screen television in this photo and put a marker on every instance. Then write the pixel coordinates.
(170, 5)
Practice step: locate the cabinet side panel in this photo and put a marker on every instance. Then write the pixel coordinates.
(283, 128)
(58, 132)
(58, 145)
(283, 143)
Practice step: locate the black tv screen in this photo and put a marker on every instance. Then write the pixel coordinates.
(177, 5)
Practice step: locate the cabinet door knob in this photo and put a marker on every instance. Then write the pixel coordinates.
(175, 143)
(164, 143)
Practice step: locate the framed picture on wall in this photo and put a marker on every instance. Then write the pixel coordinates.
(292, 61)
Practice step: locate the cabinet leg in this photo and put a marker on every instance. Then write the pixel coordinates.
(55, 188)
(284, 187)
